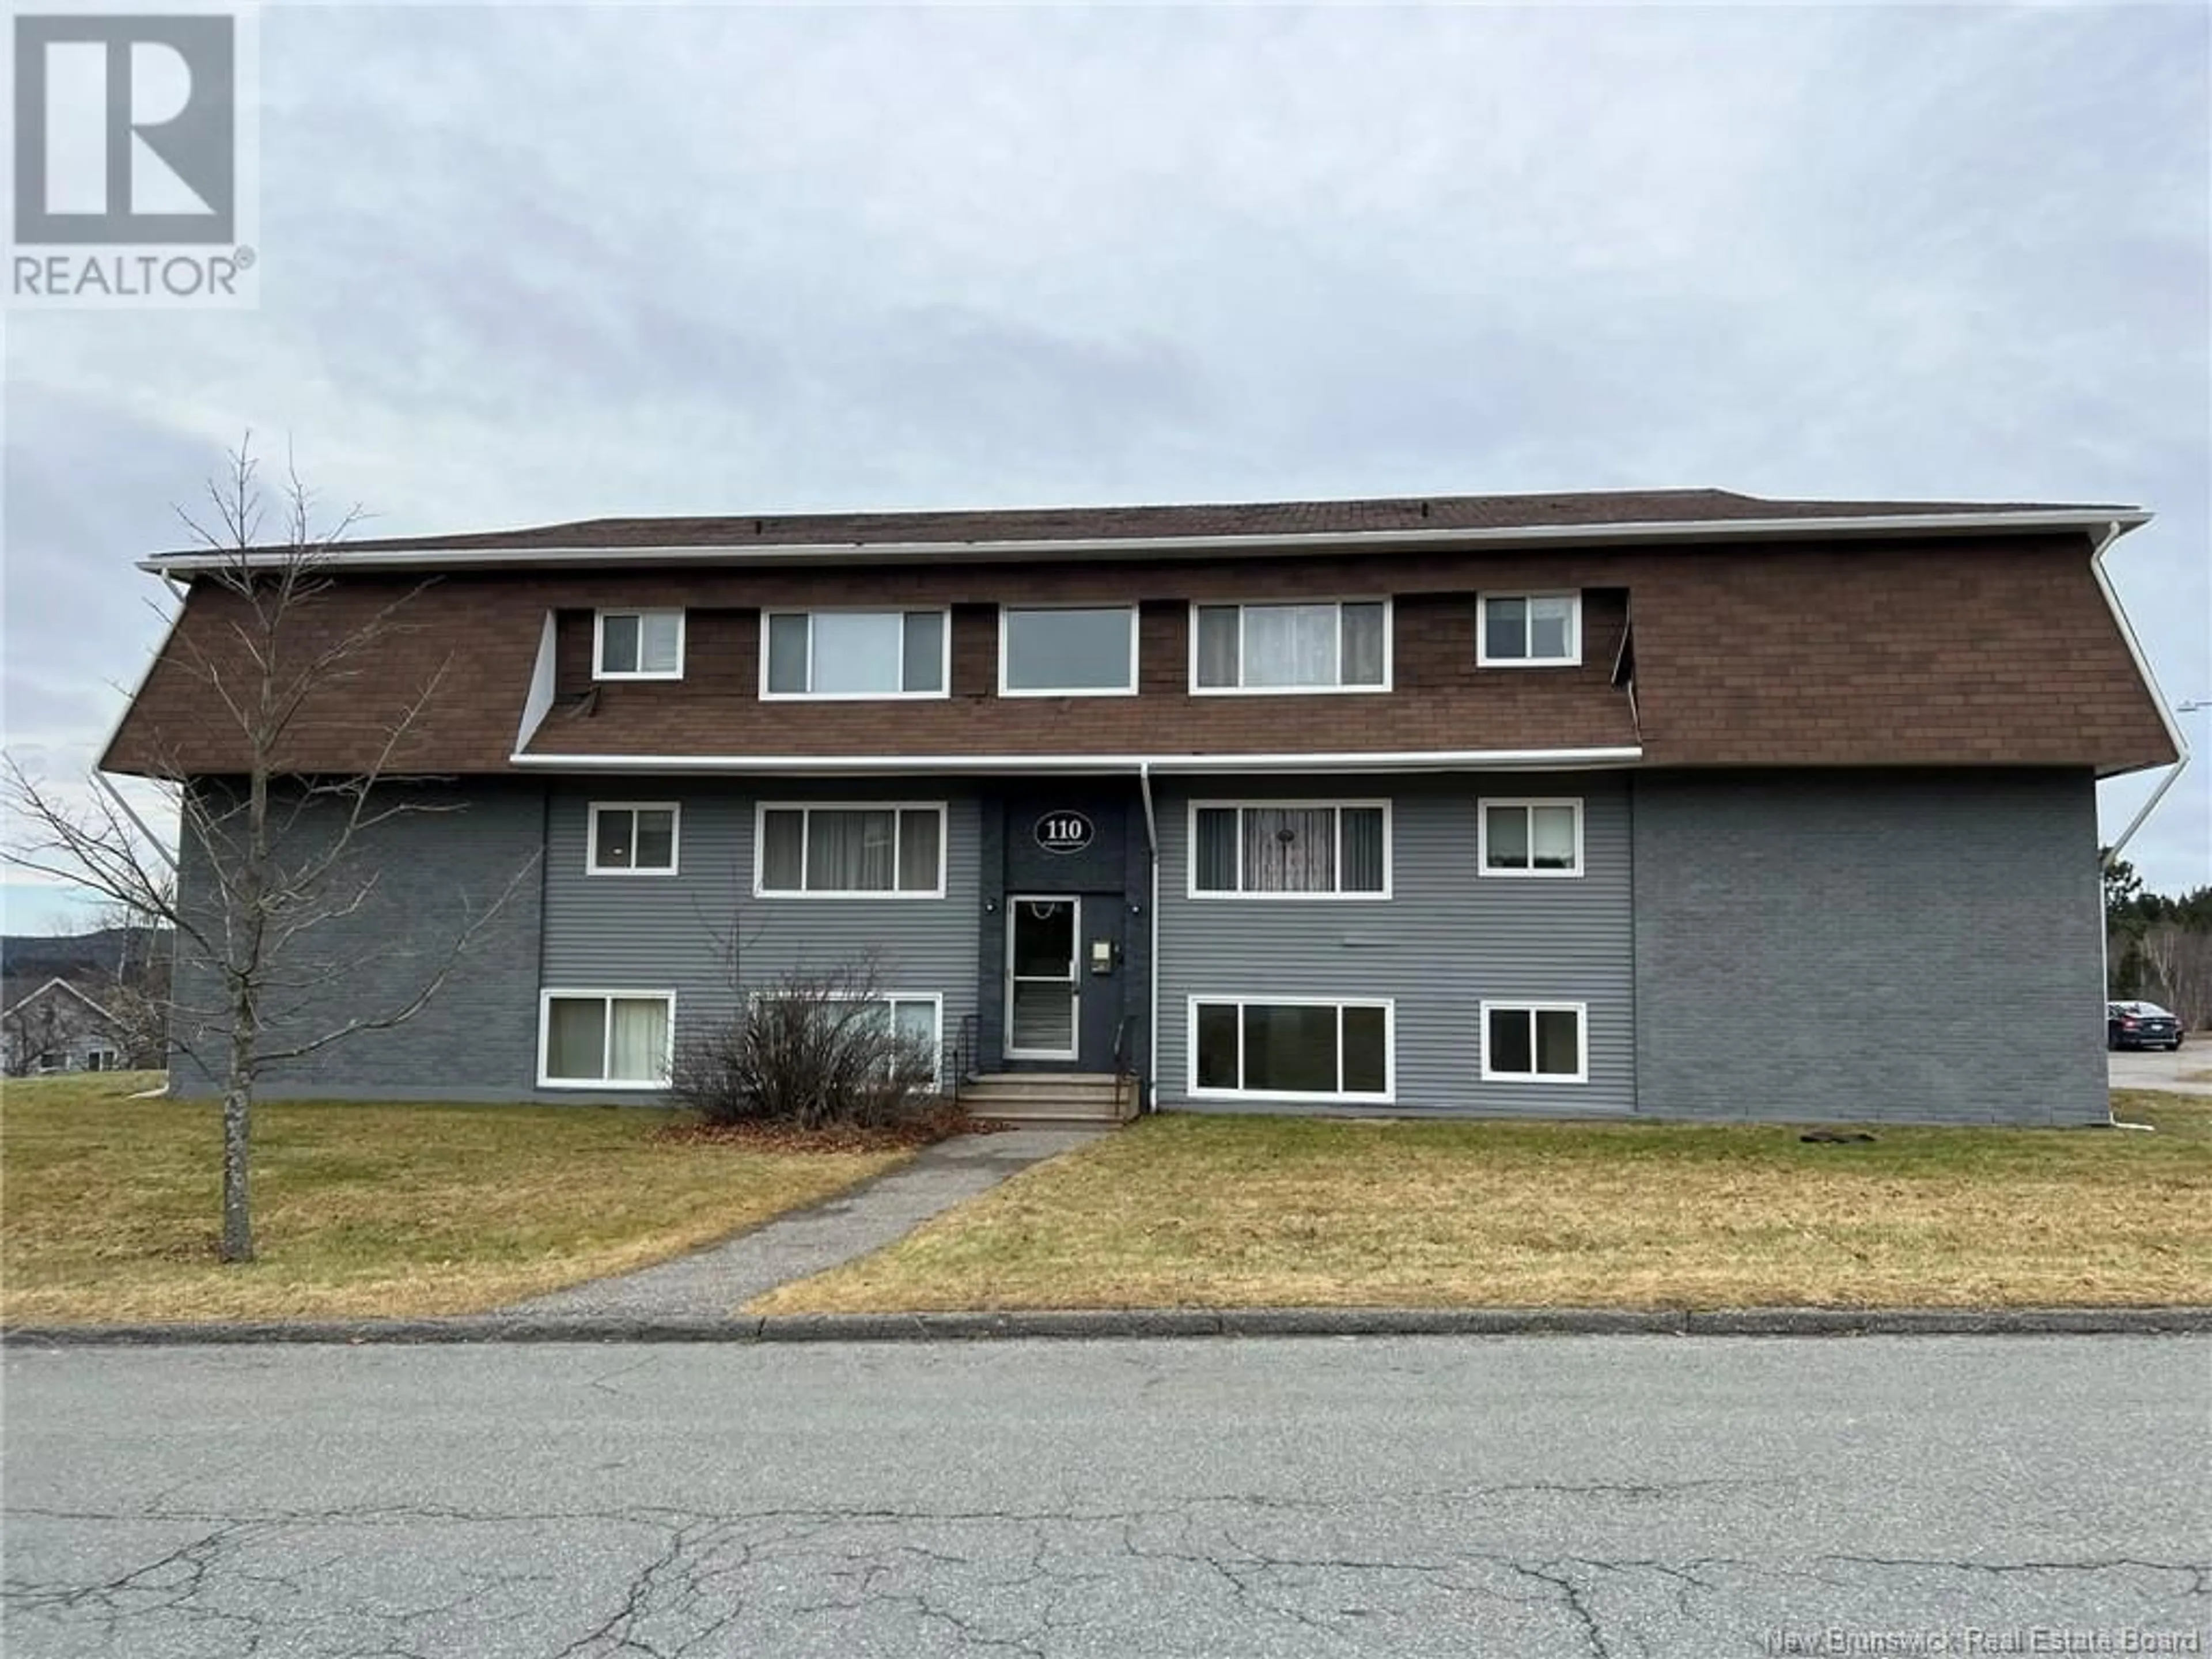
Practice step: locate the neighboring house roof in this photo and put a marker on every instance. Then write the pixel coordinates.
(1889, 634)
(19, 1003)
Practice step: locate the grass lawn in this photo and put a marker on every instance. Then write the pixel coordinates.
(1208, 1211)
(109, 1207)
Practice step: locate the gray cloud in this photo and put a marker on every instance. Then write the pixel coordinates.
(524, 264)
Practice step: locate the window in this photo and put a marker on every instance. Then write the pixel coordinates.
(100, 1059)
(618, 1039)
(891, 851)
(632, 839)
(1532, 838)
(1321, 1050)
(1067, 651)
(916, 1017)
(852, 654)
(1290, 647)
(639, 644)
(1291, 849)
(1535, 1042)
(1529, 631)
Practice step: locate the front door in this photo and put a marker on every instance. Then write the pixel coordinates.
(1042, 977)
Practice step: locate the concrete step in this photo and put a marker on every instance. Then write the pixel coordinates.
(1048, 1097)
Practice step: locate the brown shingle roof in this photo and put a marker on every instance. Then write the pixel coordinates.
(1990, 650)
(1254, 518)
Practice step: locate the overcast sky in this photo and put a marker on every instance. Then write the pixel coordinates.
(532, 265)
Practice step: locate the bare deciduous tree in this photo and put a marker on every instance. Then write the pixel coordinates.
(279, 857)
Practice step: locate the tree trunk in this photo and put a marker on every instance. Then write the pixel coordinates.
(237, 1130)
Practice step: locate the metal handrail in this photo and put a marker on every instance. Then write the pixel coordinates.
(1124, 1073)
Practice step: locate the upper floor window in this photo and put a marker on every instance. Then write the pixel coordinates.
(1067, 651)
(1526, 631)
(1290, 647)
(854, 654)
(638, 645)
(1291, 849)
(631, 839)
(895, 850)
(1532, 837)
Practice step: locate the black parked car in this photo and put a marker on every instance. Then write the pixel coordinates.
(2139, 1026)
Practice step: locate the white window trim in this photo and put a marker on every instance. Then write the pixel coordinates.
(1389, 648)
(1572, 660)
(1128, 690)
(1192, 890)
(600, 672)
(1388, 1004)
(943, 613)
(1482, 838)
(675, 810)
(1508, 1005)
(761, 809)
(545, 998)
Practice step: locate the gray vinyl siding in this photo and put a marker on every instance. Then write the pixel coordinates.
(422, 873)
(702, 934)
(1896, 946)
(1444, 941)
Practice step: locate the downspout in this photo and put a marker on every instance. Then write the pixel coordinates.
(1152, 962)
(2173, 731)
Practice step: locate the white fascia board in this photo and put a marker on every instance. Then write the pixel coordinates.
(2113, 530)
(1450, 760)
(1248, 545)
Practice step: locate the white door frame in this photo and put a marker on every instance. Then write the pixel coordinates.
(1074, 975)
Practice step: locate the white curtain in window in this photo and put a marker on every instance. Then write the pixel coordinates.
(1290, 645)
(1551, 831)
(1289, 849)
(850, 852)
(639, 1052)
(662, 630)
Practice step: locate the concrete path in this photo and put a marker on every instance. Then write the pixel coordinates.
(713, 1282)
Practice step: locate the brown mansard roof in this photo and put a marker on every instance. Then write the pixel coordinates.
(1992, 645)
(1593, 509)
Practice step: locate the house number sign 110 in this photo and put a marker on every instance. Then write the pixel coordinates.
(1063, 832)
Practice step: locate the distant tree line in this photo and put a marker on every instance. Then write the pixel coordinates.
(2159, 948)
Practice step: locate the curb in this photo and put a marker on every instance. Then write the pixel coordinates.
(1123, 1323)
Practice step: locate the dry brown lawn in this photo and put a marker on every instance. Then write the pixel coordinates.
(109, 1206)
(1212, 1211)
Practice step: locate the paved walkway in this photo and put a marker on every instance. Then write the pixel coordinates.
(715, 1281)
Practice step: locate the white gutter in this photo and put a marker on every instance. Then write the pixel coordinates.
(1255, 544)
(1417, 760)
(2113, 531)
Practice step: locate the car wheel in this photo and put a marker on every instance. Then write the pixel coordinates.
(2174, 1046)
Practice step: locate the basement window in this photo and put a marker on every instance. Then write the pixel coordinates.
(605, 1039)
(1290, 1048)
(1536, 1042)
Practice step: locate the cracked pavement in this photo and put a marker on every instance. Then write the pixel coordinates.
(1608, 1495)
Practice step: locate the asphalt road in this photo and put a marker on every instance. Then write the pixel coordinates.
(1516, 1497)
(2155, 1068)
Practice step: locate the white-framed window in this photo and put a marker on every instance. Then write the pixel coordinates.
(1067, 651)
(633, 838)
(1535, 1041)
(1529, 630)
(1531, 837)
(1292, 1048)
(1338, 645)
(605, 1039)
(855, 654)
(1289, 849)
(637, 645)
(100, 1059)
(850, 849)
(915, 1015)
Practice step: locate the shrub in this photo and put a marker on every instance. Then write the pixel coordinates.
(811, 1051)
